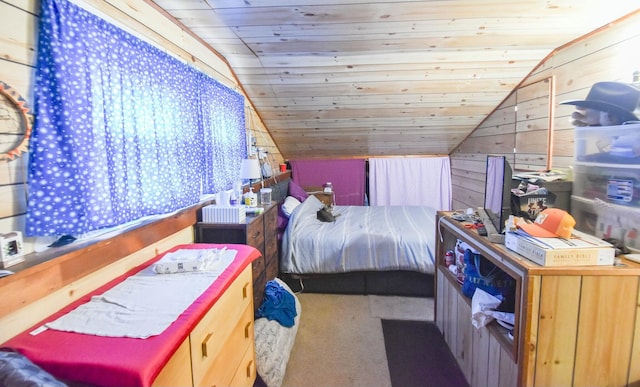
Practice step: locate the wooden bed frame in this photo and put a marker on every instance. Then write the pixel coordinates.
(394, 283)
(388, 283)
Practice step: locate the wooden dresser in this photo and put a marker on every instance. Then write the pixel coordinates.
(259, 231)
(220, 348)
(574, 326)
(210, 343)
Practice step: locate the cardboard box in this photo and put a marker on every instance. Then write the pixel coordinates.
(581, 250)
(529, 206)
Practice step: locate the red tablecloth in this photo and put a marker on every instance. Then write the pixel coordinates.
(108, 361)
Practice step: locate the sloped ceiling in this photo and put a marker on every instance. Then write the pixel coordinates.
(355, 78)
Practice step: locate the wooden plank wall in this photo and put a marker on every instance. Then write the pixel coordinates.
(17, 58)
(19, 26)
(609, 54)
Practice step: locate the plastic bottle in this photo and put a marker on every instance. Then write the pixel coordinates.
(250, 198)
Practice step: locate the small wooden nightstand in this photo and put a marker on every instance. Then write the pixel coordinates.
(259, 231)
(327, 198)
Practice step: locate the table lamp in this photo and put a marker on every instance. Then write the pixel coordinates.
(249, 170)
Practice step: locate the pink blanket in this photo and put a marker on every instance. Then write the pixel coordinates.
(108, 361)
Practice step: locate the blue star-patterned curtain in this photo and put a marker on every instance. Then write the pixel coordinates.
(122, 129)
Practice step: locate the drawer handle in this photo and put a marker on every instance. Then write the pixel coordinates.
(245, 290)
(204, 344)
(249, 369)
(247, 330)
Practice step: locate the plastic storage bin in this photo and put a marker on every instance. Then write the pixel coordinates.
(607, 221)
(612, 183)
(608, 144)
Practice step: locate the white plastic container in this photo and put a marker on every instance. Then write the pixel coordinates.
(607, 164)
(265, 196)
(612, 183)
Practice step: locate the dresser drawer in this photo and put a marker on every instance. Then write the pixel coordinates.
(272, 269)
(255, 234)
(177, 371)
(246, 374)
(209, 336)
(257, 267)
(227, 363)
(271, 247)
(271, 222)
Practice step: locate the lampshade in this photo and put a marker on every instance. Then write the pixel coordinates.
(250, 169)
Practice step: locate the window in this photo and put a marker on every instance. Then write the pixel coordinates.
(122, 130)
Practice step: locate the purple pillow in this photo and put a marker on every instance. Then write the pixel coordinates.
(283, 220)
(297, 192)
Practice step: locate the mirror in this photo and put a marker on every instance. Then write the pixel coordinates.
(15, 123)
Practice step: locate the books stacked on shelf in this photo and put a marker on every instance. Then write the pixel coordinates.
(579, 250)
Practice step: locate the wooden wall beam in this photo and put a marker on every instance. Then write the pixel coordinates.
(44, 273)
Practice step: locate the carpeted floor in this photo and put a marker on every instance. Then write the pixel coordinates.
(342, 342)
(338, 344)
(418, 356)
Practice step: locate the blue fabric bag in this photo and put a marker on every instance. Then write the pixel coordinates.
(278, 304)
(479, 272)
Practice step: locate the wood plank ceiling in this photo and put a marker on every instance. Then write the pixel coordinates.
(356, 78)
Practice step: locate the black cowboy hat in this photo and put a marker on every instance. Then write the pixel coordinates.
(619, 99)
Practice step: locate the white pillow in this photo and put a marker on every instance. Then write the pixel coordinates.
(290, 204)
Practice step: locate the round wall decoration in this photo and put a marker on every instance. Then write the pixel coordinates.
(15, 123)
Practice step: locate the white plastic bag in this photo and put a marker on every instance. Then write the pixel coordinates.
(483, 307)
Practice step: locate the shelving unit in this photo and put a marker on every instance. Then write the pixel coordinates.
(605, 197)
(487, 356)
(574, 326)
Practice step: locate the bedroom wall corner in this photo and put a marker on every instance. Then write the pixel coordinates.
(607, 54)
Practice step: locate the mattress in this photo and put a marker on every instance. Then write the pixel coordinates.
(363, 238)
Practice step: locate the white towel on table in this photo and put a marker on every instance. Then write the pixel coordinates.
(144, 304)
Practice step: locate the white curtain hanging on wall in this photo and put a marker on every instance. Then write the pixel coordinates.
(423, 181)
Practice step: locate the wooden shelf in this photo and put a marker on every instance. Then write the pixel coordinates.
(451, 231)
(569, 321)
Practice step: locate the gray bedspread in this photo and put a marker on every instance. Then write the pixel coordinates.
(362, 238)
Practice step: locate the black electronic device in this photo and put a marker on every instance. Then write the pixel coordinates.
(497, 194)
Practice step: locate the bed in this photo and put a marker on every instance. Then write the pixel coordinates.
(369, 249)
